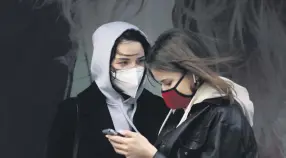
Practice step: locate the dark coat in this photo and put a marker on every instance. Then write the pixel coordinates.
(34, 78)
(214, 129)
(87, 141)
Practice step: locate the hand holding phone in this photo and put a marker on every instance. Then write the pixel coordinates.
(111, 132)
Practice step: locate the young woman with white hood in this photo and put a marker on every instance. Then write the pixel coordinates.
(210, 117)
(115, 100)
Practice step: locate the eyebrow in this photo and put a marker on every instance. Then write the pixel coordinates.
(122, 59)
(128, 55)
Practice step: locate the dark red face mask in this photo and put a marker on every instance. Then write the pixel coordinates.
(176, 100)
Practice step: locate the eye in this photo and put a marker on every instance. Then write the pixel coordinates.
(123, 63)
(167, 83)
(140, 61)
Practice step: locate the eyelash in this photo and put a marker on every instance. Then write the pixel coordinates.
(167, 84)
(123, 63)
(141, 61)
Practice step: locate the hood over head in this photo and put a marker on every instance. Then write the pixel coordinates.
(122, 111)
(103, 41)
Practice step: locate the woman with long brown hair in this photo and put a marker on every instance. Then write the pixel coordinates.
(210, 116)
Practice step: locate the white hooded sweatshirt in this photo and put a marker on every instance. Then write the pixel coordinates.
(121, 111)
(206, 91)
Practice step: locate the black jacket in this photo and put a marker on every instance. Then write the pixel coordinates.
(213, 129)
(87, 140)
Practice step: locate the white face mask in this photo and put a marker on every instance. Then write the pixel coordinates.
(128, 80)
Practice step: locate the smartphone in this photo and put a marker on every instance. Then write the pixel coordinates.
(111, 132)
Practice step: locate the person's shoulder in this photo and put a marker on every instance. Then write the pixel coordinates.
(147, 93)
(68, 102)
(229, 118)
(229, 113)
(153, 101)
(68, 105)
(150, 97)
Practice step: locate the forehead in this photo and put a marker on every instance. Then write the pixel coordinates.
(130, 48)
(162, 75)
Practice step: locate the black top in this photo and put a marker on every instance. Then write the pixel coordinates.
(213, 129)
(94, 116)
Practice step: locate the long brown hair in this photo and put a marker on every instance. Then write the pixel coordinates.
(180, 51)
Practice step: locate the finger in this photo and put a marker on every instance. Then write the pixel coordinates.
(121, 152)
(128, 134)
(119, 146)
(118, 139)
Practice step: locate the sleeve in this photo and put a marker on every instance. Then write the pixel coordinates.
(60, 141)
(159, 155)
